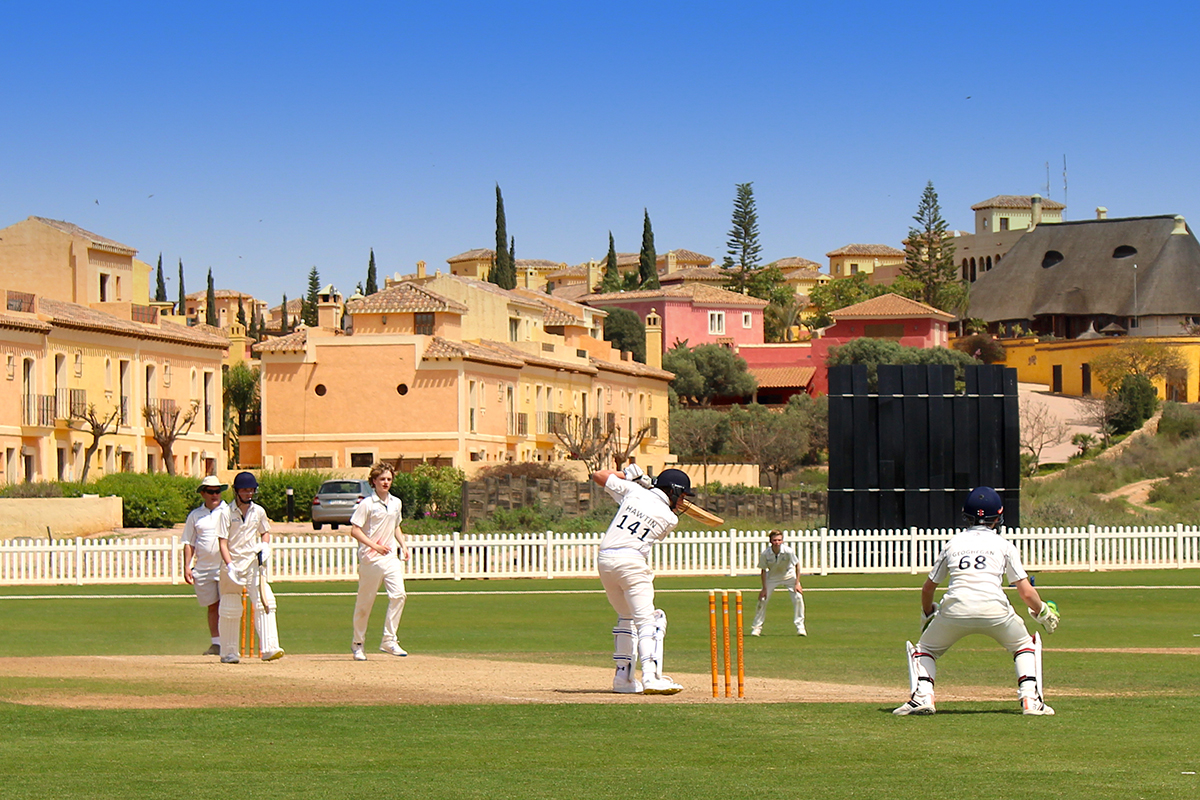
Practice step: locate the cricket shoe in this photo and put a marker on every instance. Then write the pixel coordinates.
(663, 685)
(1036, 707)
(917, 707)
(272, 655)
(393, 649)
(232, 658)
(800, 631)
(756, 631)
(627, 687)
(356, 650)
(213, 650)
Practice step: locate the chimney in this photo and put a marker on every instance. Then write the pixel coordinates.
(420, 269)
(329, 312)
(1035, 207)
(672, 264)
(531, 279)
(654, 339)
(593, 275)
(1180, 226)
(1101, 212)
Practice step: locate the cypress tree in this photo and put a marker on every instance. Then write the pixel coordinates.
(241, 317)
(611, 282)
(210, 300)
(372, 287)
(160, 287)
(182, 308)
(503, 273)
(285, 325)
(648, 259)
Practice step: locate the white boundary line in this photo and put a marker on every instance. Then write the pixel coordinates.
(471, 593)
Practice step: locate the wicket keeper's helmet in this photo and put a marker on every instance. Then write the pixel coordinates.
(245, 480)
(674, 483)
(983, 506)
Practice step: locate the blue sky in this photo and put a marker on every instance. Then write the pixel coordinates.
(262, 139)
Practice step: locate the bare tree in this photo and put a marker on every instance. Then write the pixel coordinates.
(1100, 412)
(98, 426)
(698, 435)
(583, 439)
(1040, 429)
(167, 423)
(621, 448)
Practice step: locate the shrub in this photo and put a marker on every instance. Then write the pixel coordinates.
(430, 491)
(156, 500)
(1138, 401)
(716, 487)
(532, 470)
(1178, 422)
(273, 486)
(33, 489)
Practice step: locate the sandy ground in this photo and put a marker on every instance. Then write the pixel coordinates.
(316, 680)
(1065, 409)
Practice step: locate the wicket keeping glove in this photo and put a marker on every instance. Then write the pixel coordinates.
(928, 618)
(1047, 617)
(634, 473)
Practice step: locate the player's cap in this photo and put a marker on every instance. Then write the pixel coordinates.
(211, 482)
(983, 504)
(245, 480)
(674, 479)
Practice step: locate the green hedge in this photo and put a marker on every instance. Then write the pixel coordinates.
(272, 492)
(150, 501)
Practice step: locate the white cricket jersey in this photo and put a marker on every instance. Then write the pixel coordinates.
(977, 561)
(779, 566)
(378, 519)
(245, 532)
(645, 517)
(201, 531)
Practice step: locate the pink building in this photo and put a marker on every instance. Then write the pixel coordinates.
(695, 313)
(890, 316)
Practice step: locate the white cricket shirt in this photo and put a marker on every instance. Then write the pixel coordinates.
(644, 517)
(201, 531)
(978, 562)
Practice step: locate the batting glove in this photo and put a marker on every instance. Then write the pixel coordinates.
(235, 575)
(928, 618)
(1047, 617)
(264, 553)
(635, 473)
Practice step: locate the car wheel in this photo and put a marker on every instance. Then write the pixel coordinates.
(316, 526)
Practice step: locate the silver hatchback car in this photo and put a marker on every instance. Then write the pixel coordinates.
(336, 500)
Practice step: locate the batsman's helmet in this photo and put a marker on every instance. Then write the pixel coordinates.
(674, 483)
(245, 480)
(984, 506)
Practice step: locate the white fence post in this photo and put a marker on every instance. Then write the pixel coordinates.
(823, 550)
(78, 561)
(456, 555)
(546, 554)
(1091, 548)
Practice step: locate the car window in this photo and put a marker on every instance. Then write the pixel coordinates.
(341, 487)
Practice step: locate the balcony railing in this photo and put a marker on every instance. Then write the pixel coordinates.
(147, 314)
(124, 406)
(38, 409)
(70, 403)
(518, 424)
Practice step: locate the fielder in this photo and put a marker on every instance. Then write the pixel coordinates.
(246, 552)
(200, 542)
(779, 566)
(376, 526)
(646, 516)
(977, 561)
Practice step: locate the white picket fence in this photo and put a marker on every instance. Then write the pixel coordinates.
(564, 555)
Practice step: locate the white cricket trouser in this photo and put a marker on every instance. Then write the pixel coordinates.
(389, 571)
(229, 624)
(1009, 631)
(760, 611)
(628, 581)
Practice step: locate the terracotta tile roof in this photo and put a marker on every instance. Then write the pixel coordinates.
(806, 274)
(690, 256)
(782, 377)
(293, 306)
(93, 238)
(220, 294)
(537, 263)
(72, 315)
(478, 254)
(559, 310)
(293, 342)
(404, 297)
(795, 262)
(578, 271)
(635, 368)
(697, 292)
(483, 286)
(535, 360)
(1016, 201)
(24, 323)
(687, 274)
(440, 348)
(576, 291)
(865, 250)
(889, 305)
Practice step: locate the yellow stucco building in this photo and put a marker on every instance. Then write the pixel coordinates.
(452, 370)
(879, 261)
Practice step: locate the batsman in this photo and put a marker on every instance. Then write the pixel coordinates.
(646, 516)
(977, 561)
(246, 552)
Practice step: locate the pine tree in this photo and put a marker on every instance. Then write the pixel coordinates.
(285, 324)
(648, 259)
(210, 302)
(503, 273)
(372, 287)
(241, 317)
(744, 249)
(160, 287)
(611, 282)
(182, 308)
(308, 312)
(928, 251)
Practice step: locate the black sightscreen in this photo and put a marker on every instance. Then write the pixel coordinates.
(905, 453)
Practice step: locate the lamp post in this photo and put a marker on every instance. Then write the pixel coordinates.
(1135, 297)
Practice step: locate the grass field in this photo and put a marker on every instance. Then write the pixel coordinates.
(1126, 723)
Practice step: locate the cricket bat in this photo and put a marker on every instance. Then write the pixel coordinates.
(699, 514)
